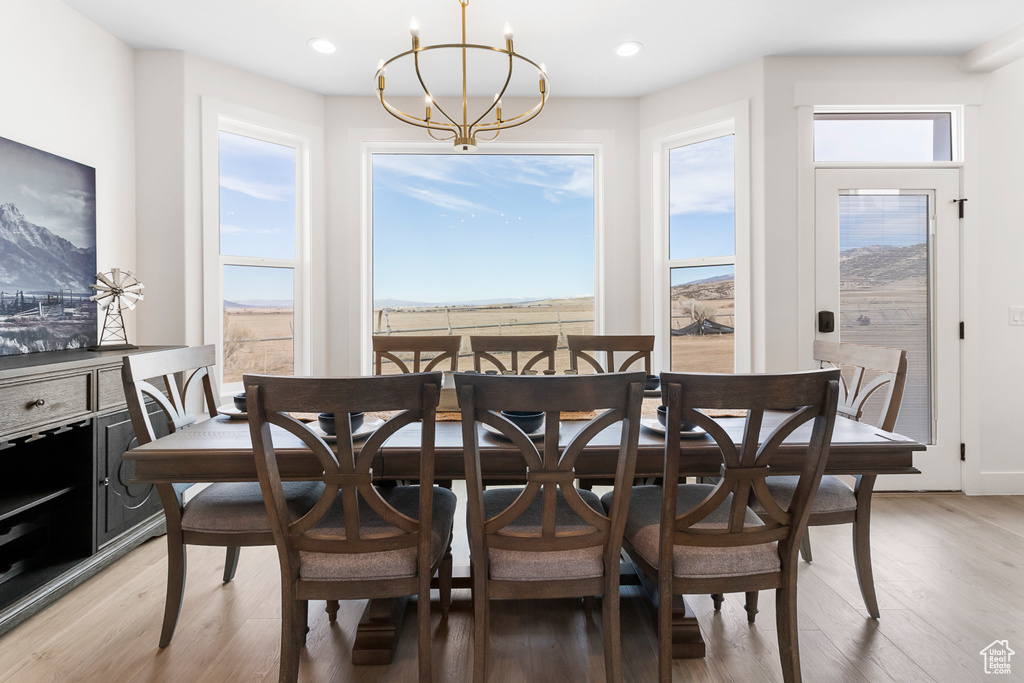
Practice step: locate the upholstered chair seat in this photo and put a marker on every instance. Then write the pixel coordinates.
(696, 562)
(523, 565)
(237, 507)
(388, 564)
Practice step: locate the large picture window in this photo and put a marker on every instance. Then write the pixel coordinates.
(489, 244)
(701, 258)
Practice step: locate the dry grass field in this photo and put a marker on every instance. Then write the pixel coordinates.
(257, 340)
(551, 316)
(260, 339)
(704, 353)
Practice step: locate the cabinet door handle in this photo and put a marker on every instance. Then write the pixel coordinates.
(39, 403)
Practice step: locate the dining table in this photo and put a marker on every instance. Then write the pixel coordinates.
(219, 449)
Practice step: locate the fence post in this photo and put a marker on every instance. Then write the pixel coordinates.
(448, 318)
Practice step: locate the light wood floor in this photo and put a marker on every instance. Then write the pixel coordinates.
(948, 571)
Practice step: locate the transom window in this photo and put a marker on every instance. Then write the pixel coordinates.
(883, 137)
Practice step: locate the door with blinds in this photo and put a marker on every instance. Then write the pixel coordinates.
(887, 266)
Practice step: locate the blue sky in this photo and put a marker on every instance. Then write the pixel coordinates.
(450, 227)
(882, 220)
(257, 197)
(702, 199)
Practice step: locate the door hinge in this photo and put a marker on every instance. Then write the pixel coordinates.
(961, 329)
(963, 451)
(960, 205)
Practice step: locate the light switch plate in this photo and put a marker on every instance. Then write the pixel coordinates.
(1017, 315)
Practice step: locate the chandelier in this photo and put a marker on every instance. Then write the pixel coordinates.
(439, 124)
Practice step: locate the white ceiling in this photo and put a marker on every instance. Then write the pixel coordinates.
(683, 39)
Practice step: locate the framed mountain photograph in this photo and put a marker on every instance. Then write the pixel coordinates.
(47, 251)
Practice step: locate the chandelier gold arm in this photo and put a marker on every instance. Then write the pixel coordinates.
(426, 90)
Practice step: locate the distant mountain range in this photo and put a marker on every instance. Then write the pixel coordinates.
(879, 265)
(259, 303)
(399, 303)
(33, 259)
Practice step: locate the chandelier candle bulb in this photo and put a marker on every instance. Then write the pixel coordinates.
(414, 31)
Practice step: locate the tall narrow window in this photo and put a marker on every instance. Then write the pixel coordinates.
(702, 255)
(260, 178)
(488, 244)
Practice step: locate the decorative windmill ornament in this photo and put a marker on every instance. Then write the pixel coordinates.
(115, 291)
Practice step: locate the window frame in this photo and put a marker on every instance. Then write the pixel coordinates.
(594, 149)
(740, 261)
(219, 118)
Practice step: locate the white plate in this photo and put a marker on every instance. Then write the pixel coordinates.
(368, 427)
(538, 434)
(657, 427)
(232, 413)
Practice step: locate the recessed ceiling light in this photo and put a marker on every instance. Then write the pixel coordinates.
(628, 49)
(322, 45)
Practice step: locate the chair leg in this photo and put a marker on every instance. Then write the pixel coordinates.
(444, 583)
(664, 632)
(231, 563)
(862, 545)
(718, 599)
(423, 637)
(751, 605)
(805, 546)
(786, 624)
(292, 636)
(610, 623)
(588, 606)
(480, 615)
(176, 568)
(332, 611)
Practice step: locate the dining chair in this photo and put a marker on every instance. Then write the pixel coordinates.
(543, 347)
(386, 347)
(640, 346)
(223, 514)
(359, 540)
(868, 371)
(702, 538)
(547, 539)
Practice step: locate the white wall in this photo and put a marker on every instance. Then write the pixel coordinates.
(68, 89)
(170, 89)
(995, 246)
(735, 92)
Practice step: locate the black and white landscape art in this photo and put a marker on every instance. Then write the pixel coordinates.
(47, 251)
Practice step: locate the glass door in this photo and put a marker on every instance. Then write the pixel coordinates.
(887, 266)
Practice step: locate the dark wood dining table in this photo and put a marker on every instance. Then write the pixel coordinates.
(219, 449)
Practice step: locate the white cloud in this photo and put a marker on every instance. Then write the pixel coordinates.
(239, 230)
(441, 168)
(702, 177)
(265, 191)
(440, 199)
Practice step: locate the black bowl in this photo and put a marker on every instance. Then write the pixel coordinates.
(326, 422)
(653, 382)
(527, 420)
(684, 426)
(239, 400)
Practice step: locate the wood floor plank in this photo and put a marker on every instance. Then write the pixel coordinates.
(948, 575)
